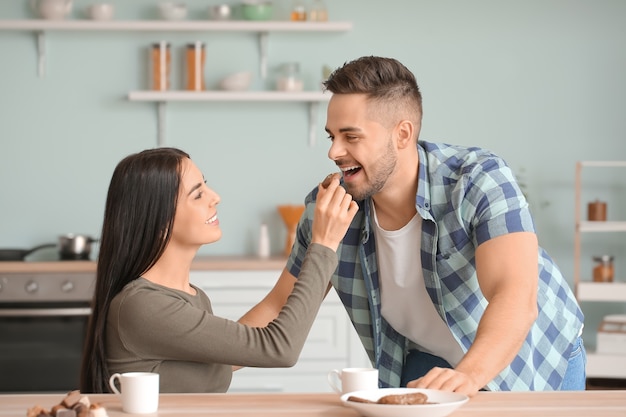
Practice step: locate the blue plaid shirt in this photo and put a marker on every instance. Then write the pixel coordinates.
(466, 196)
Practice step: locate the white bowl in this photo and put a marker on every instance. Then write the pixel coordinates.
(238, 81)
(100, 11)
(171, 10)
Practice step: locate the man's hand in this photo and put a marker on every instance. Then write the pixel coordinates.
(446, 379)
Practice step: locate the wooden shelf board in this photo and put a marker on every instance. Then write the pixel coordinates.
(603, 163)
(608, 226)
(181, 26)
(162, 96)
(601, 291)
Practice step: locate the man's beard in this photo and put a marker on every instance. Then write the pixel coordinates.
(381, 169)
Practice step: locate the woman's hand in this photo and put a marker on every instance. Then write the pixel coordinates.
(334, 211)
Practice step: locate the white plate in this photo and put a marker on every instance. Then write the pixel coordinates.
(446, 403)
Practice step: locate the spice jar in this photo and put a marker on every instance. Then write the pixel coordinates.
(318, 12)
(289, 78)
(596, 211)
(195, 58)
(298, 11)
(603, 270)
(161, 62)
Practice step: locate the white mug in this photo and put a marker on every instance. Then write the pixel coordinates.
(139, 391)
(353, 379)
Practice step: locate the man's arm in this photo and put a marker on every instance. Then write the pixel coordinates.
(507, 274)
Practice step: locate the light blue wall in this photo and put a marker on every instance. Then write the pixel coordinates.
(540, 82)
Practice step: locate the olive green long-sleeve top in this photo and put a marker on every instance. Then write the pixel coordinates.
(152, 328)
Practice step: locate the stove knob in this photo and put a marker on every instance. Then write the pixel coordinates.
(67, 286)
(31, 287)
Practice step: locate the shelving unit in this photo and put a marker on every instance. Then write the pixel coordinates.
(598, 365)
(260, 28)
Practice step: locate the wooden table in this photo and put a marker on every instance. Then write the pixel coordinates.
(485, 404)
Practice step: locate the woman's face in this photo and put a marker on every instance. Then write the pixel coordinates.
(195, 222)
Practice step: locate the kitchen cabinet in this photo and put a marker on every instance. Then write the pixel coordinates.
(598, 365)
(260, 28)
(332, 342)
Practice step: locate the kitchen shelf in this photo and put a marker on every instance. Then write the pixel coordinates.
(261, 28)
(601, 291)
(169, 26)
(598, 365)
(312, 98)
(587, 226)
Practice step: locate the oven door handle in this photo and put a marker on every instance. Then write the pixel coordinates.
(45, 312)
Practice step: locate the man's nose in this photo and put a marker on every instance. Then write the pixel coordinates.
(336, 151)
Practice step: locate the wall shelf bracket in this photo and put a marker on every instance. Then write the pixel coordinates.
(263, 54)
(41, 53)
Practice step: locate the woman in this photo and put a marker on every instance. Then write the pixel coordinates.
(147, 316)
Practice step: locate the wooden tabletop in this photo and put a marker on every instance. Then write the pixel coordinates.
(485, 404)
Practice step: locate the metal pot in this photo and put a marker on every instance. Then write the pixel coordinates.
(75, 247)
(21, 254)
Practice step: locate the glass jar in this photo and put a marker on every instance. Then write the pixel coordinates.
(298, 11)
(289, 78)
(318, 12)
(161, 59)
(603, 269)
(195, 57)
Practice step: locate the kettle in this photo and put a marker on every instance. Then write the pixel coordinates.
(52, 9)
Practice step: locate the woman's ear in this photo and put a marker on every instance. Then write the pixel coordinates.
(405, 131)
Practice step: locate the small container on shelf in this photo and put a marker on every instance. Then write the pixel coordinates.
(161, 60)
(289, 78)
(195, 58)
(318, 11)
(603, 270)
(298, 11)
(596, 211)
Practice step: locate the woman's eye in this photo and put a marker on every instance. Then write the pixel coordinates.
(199, 196)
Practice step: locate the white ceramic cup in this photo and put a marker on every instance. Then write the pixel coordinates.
(353, 379)
(100, 11)
(139, 391)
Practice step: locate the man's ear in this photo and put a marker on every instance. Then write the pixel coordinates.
(405, 130)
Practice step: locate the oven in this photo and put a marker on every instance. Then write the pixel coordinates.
(43, 321)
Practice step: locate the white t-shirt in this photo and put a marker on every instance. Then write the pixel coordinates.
(405, 304)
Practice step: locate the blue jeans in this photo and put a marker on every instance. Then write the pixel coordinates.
(576, 375)
(417, 364)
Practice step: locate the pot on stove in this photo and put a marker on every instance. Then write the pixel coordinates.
(75, 247)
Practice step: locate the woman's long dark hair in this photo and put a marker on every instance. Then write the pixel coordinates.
(138, 219)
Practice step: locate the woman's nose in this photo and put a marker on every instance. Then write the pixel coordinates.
(214, 198)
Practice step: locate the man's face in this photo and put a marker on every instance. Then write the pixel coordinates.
(362, 147)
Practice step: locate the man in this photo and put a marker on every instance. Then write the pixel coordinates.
(440, 272)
